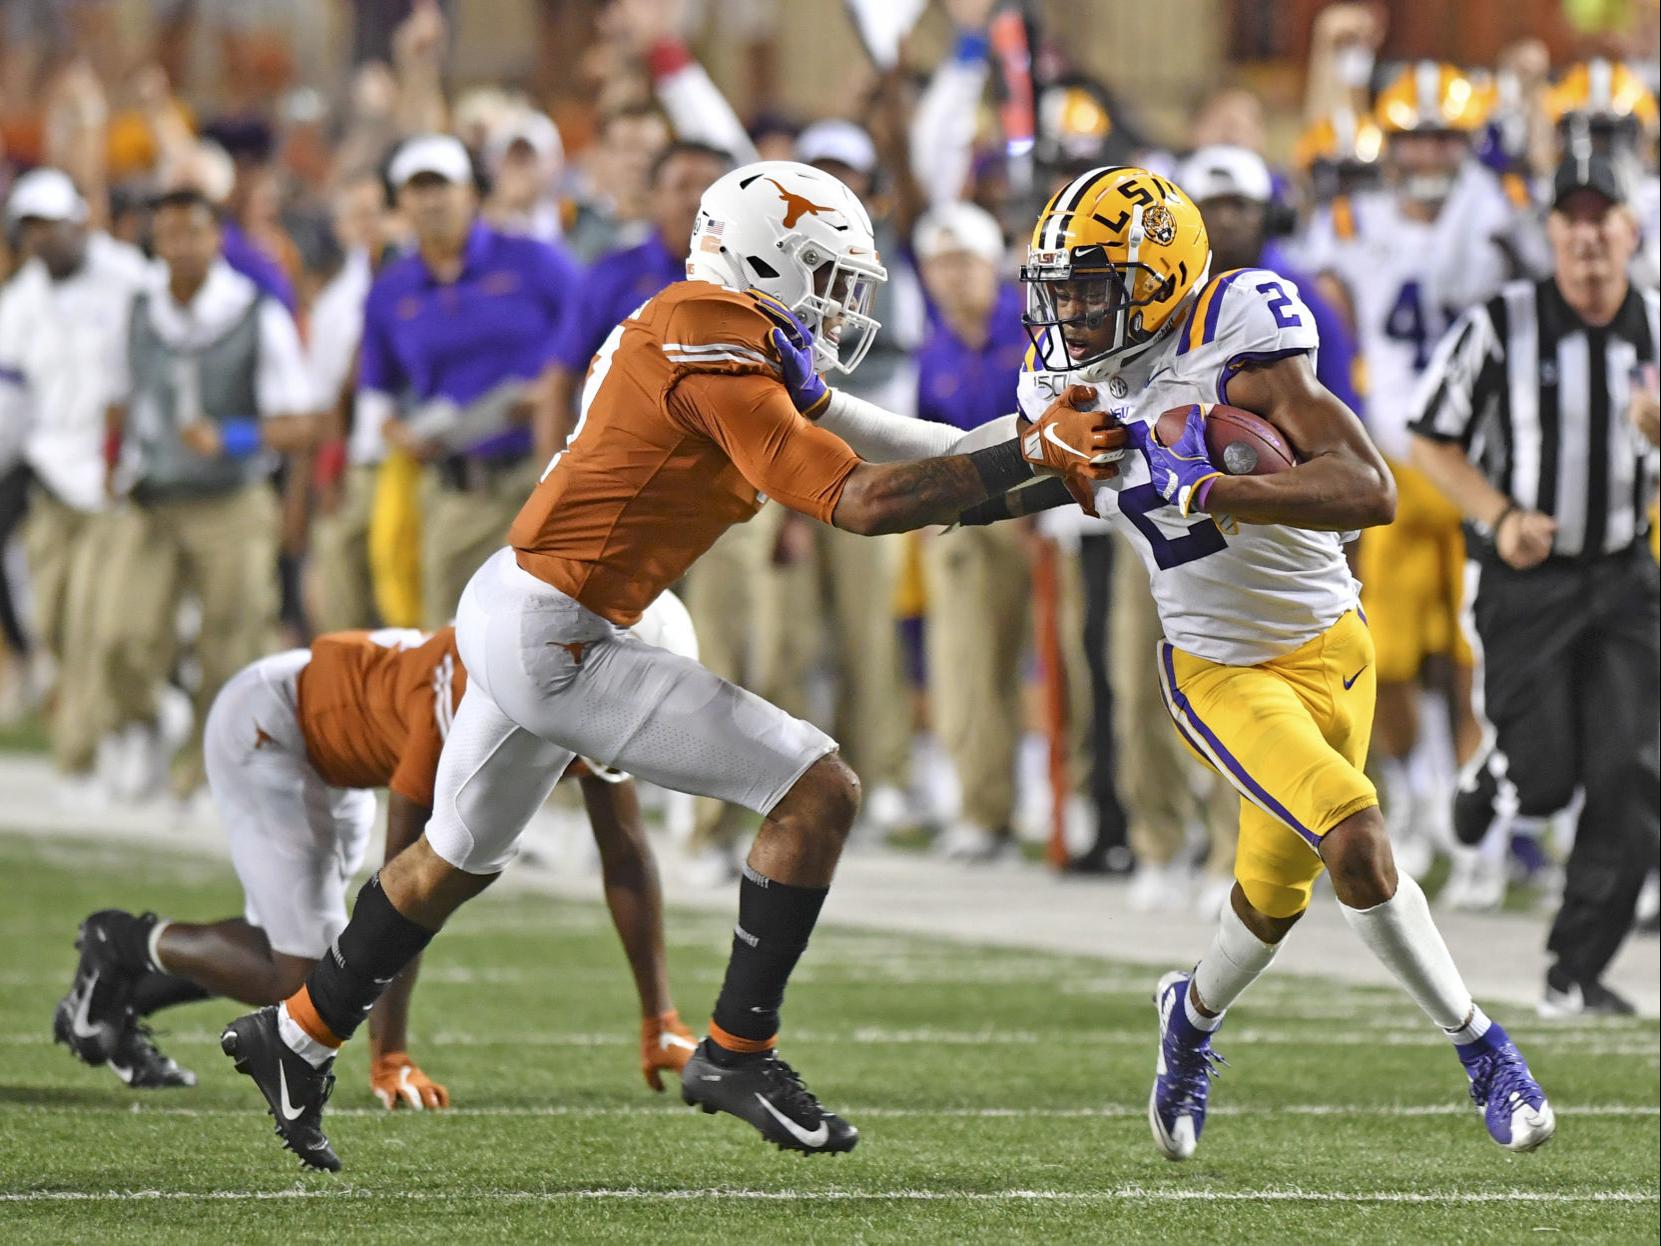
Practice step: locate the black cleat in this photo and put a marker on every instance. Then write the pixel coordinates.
(294, 1091)
(765, 1091)
(91, 1018)
(136, 1061)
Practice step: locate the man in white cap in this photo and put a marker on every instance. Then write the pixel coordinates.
(63, 329)
(525, 156)
(464, 330)
(977, 577)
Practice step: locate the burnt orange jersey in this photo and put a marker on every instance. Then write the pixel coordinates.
(686, 430)
(375, 714)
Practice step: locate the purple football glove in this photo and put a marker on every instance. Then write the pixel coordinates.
(795, 346)
(1182, 472)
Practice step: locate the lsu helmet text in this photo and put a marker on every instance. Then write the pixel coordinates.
(802, 238)
(1117, 247)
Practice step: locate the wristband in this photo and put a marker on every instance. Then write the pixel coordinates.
(239, 437)
(1001, 467)
(1203, 492)
(972, 46)
(1511, 508)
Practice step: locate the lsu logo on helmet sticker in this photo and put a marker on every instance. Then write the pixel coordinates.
(1159, 225)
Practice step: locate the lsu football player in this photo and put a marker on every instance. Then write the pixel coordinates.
(1405, 259)
(1267, 665)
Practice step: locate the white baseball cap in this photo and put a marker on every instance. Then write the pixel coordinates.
(841, 141)
(441, 154)
(535, 129)
(1216, 172)
(959, 227)
(45, 195)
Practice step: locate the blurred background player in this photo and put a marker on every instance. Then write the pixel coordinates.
(1402, 260)
(296, 744)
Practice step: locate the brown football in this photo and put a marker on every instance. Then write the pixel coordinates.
(1239, 443)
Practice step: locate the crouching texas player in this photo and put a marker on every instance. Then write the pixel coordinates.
(685, 425)
(1266, 665)
(293, 744)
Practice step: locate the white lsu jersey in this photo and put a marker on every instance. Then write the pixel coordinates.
(1408, 280)
(1237, 594)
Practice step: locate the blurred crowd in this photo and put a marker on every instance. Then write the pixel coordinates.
(291, 366)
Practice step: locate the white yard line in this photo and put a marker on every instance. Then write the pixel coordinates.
(1121, 1194)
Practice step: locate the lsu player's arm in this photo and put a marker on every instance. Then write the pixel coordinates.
(1340, 483)
(393, 1076)
(629, 875)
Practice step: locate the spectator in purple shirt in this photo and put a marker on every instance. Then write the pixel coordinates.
(976, 578)
(620, 282)
(459, 335)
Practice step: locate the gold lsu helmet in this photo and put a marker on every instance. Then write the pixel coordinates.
(1430, 96)
(1602, 91)
(1116, 246)
(1340, 138)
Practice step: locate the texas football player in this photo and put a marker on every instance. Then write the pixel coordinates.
(1267, 665)
(294, 744)
(685, 428)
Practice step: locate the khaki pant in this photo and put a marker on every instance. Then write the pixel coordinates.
(63, 547)
(221, 550)
(1161, 785)
(340, 548)
(460, 528)
(722, 592)
(978, 592)
(841, 598)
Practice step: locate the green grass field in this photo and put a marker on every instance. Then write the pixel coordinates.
(1000, 1095)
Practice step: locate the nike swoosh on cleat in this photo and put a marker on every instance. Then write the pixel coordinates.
(125, 1074)
(814, 1138)
(78, 1020)
(1350, 682)
(290, 1112)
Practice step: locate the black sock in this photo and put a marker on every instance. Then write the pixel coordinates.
(155, 991)
(774, 922)
(373, 949)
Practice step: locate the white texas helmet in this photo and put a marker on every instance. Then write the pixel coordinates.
(799, 235)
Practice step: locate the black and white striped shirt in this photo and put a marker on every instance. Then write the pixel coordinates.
(1538, 398)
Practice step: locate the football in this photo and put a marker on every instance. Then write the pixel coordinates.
(1239, 443)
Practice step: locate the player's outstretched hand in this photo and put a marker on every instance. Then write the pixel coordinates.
(1074, 441)
(665, 1047)
(397, 1081)
(1181, 471)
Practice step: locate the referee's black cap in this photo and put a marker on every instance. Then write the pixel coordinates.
(1588, 171)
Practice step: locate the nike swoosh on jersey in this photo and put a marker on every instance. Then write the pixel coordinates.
(289, 1111)
(1350, 682)
(807, 1137)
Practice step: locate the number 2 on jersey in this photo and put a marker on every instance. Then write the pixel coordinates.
(1202, 538)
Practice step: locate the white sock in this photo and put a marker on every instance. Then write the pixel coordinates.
(1235, 959)
(153, 946)
(299, 1042)
(1401, 934)
(1472, 1030)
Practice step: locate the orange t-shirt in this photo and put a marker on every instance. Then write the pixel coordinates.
(686, 430)
(375, 708)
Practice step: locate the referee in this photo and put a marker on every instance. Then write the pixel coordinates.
(1537, 418)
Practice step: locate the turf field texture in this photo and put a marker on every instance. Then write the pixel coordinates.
(1000, 1095)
